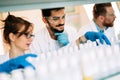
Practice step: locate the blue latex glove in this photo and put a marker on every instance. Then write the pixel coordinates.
(62, 38)
(16, 63)
(92, 36)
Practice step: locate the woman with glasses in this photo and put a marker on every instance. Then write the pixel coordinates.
(18, 34)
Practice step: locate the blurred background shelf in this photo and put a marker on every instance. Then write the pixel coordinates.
(115, 76)
(14, 5)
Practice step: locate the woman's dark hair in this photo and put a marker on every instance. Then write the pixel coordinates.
(47, 12)
(13, 25)
(100, 9)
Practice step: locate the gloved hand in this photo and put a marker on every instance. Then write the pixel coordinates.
(90, 35)
(62, 38)
(16, 63)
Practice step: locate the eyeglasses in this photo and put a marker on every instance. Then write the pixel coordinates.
(27, 35)
(55, 19)
(112, 15)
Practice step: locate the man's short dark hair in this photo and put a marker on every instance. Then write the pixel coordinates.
(47, 12)
(100, 9)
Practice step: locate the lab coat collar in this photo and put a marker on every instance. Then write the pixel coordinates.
(100, 29)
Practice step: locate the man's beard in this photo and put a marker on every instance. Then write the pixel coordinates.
(55, 30)
(108, 24)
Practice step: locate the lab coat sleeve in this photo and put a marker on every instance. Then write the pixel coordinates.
(71, 31)
(35, 47)
(3, 58)
(88, 27)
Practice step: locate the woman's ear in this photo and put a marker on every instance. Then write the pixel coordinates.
(12, 37)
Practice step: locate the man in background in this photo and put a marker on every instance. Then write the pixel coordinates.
(103, 21)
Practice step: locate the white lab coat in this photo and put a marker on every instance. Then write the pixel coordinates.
(4, 58)
(43, 43)
(92, 27)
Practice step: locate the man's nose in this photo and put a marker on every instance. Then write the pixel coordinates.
(61, 21)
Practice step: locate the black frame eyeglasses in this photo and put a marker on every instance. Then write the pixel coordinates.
(55, 19)
(28, 35)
